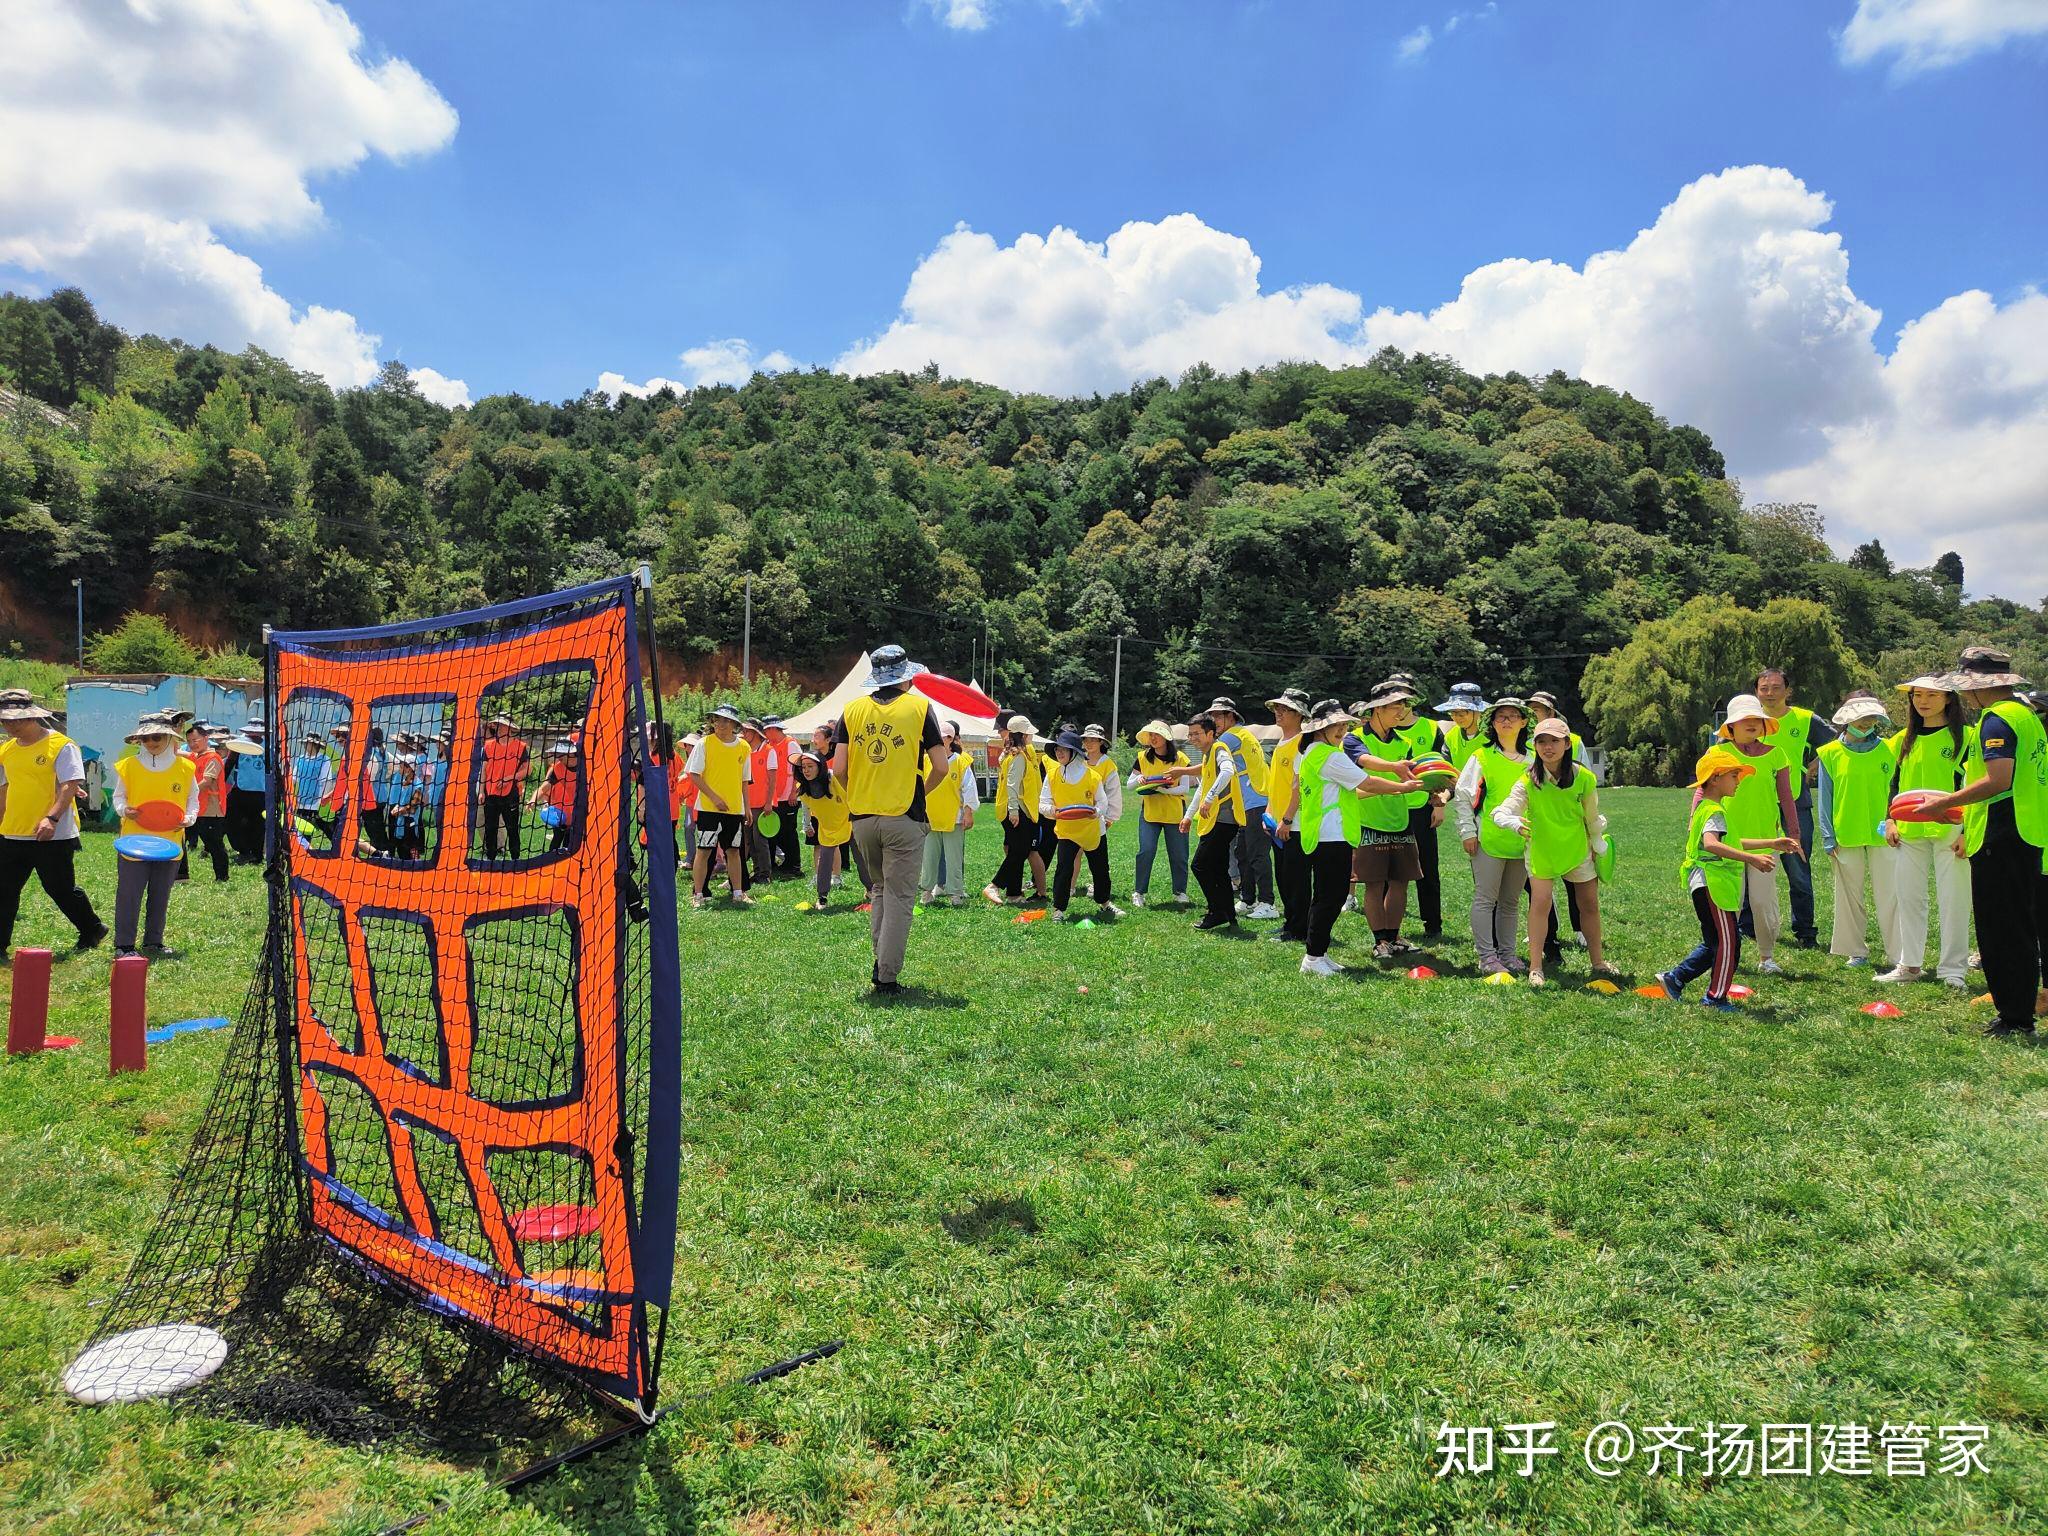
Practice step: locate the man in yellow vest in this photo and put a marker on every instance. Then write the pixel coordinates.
(1254, 848)
(41, 774)
(156, 791)
(2004, 801)
(883, 740)
(1800, 734)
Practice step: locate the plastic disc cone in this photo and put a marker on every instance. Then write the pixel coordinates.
(1604, 987)
(1739, 992)
(1882, 1010)
(1501, 979)
(1422, 973)
(1654, 990)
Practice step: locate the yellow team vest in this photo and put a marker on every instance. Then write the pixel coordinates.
(31, 770)
(145, 784)
(1207, 818)
(943, 803)
(1086, 831)
(1162, 808)
(1280, 774)
(724, 769)
(1027, 803)
(828, 813)
(884, 745)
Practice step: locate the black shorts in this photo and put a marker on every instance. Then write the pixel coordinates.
(719, 830)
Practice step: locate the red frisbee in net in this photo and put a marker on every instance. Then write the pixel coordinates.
(554, 1223)
(1912, 806)
(158, 816)
(961, 698)
(1882, 1010)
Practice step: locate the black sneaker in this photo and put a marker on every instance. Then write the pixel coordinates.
(1432, 935)
(1209, 923)
(2001, 1029)
(93, 939)
(123, 954)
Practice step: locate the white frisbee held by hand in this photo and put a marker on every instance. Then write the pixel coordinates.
(146, 1362)
(241, 746)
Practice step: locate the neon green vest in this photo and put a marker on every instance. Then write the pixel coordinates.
(1459, 747)
(2029, 777)
(1385, 813)
(1795, 730)
(1723, 876)
(1350, 806)
(1752, 811)
(1931, 763)
(1861, 783)
(1422, 740)
(1498, 776)
(1558, 840)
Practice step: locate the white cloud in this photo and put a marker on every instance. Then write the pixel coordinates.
(1933, 34)
(1732, 311)
(1414, 45)
(1063, 315)
(132, 130)
(975, 15)
(727, 361)
(439, 388)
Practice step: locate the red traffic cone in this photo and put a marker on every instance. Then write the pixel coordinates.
(1883, 1010)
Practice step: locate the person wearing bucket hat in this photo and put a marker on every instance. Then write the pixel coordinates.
(1464, 735)
(1095, 752)
(1424, 736)
(719, 767)
(2004, 801)
(1075, 799)
(1385, 861)
(951, 806)
(1254, 849)
(1159, 779)
(1851, 798)
(1216, 815)
(1928, 754)
(247, 791)
(41, 774)
(1713, 869)
(311, 782)
(1326, 810)
(1291, 877)
(1020, 776)
(156, 792)
(765, 788)
(403, 802)
(1556, 806)
(785, 847)
(1500, 868)
(560, 791)
(210, 764)
(506, 763)
(1760, 814)
(890, 756)
(1798, 736)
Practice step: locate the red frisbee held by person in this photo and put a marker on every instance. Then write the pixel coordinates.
(1912, 806)
(961, 698)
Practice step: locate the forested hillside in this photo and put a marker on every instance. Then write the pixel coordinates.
(1296, 525)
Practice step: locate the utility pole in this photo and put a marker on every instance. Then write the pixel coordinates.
(747, 634)
(1116, 691)
(78, 587)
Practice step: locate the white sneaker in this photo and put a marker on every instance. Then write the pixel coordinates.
(1244, 908)
(1138, 900)
(1109, 909)
(1320, 965)
(1265, 911)
(699, 903)
(1350, 904)
(1900, 973)
(1181, 900)
(990, 893)
(1769, 968)
(1855, 962)
(956, 901)
(1058, 916)
(1383, 950)
(742, 899)
(1959, 983)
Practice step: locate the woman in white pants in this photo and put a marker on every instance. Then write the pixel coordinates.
(1852, 793)
(1499, 856)
(1929, 753)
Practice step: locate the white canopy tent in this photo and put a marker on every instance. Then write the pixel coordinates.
(973, 732)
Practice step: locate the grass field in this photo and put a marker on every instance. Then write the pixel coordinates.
(1134, 1229)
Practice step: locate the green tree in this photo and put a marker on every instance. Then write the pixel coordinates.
(141, 643)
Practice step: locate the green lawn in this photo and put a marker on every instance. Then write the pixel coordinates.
(1207, 1246)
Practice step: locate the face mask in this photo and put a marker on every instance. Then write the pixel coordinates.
(1862, 730)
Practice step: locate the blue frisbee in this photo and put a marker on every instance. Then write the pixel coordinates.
(551, 816)
(145, 849)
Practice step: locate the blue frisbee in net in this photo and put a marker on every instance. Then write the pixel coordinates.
(145, 849)
(551, 816)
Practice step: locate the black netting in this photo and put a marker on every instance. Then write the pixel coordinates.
(420, 1205)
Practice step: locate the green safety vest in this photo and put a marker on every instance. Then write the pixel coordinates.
(1795, 730)
(1752, 811)
(1385, 813)
(1350, 806)
(1459, 747)
(1723, 875)
(1498, 776)
(1422, 741)
(1930, 763)
(1558, 839)
(1861, 783)
(2029, 793)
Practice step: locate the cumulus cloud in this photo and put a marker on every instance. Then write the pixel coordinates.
(1414, 45)
(730, 360)
(132, 131)
(1933, 34)
(1063, 315)
(439, 388)
(975, 15)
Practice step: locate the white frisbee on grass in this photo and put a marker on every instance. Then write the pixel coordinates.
(143, 1363)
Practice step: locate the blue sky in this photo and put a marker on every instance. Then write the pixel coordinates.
(1734, 209)
(629, 180)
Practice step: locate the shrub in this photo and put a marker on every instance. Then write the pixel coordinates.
(141, 643)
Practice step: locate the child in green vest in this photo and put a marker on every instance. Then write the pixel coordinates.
(1852, 794)
(1759, 812)
(1928, 754)
(1556, 806)
(1714, 869)
(1499, 857)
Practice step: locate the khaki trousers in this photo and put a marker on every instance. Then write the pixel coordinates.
(893, 847)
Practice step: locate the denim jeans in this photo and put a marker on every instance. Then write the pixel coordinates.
(1149, 834)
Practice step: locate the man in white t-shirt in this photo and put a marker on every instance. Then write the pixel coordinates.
(41, 774)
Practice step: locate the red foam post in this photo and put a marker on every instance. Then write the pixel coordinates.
(126, 1049)
(28, 1010)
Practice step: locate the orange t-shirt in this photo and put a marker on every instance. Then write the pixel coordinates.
(505, 760)
(561, 790)
(213, 798)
